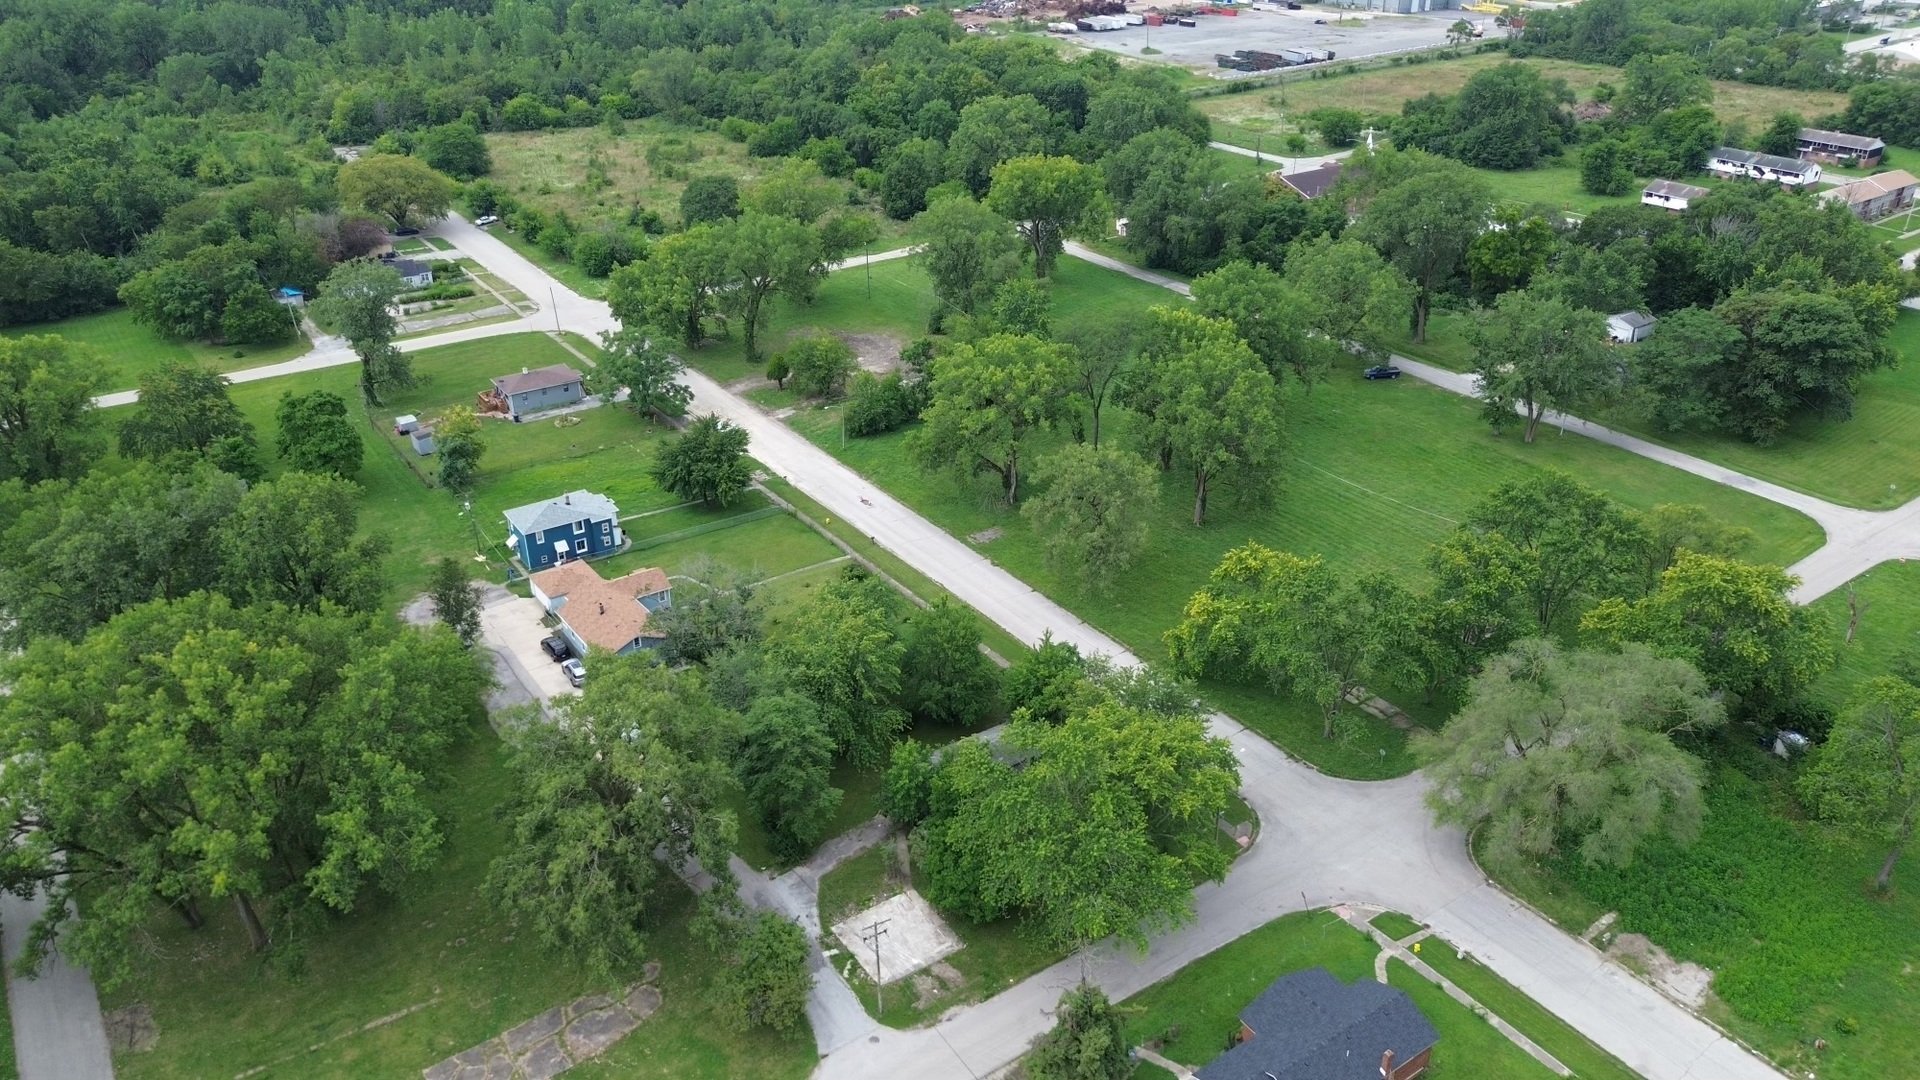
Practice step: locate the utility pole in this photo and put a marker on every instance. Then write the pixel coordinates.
(872, 934)
(555, 305)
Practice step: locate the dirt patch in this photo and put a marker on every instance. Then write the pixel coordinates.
(131, 1029)
(1684, 982)
(878, 353)
(985, 536)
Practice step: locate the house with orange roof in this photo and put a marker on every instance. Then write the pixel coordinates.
(595, 612)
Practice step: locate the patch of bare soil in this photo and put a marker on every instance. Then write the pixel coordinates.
(1684, 982)
(132, 1029)
(878, 353)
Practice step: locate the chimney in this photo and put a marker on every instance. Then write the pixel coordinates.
(1386, 1064)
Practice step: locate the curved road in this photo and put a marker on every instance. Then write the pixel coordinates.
(1323, 840)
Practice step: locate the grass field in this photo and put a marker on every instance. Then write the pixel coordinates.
(1203, 1000)
(1889, 633)
(594, 175)
(1378, 472)
(1548, 1031)
(131, 350)
(1384, 90)
(219, 1013)
(1871, 460)
(1395, 925)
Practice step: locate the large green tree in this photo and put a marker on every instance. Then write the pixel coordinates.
(457, 149)
(988, 398)
(1102, 831)
(842, 652)
(1088, 1040)
(677, 287)
(1295, 625)
(357, 300)
(456, 599)
(708, 462)
(183, 407)
(48, 427)
(1423, 225)
(1049, 199)
(997, 129)
(297, 541)
(1563, 542)
(401, 189)
(62, 581)
(767, 256)
(610, 800)
(1092, 511)
(786, 765)
(638, 361)
(1533, 354)
(1556, 749)
(968, 251)
(1269, 316)
(1867, 775)
(191, 750)
(1733, 621)
(944, 675)
(765, 970)
(313, 433)
(722, 608)
(1350, 294)
(459, 447)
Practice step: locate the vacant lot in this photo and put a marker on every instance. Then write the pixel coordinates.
(131, 350)
(1384, 90)
(1378, 472)
(593, 174)
(440, 947)
(1870, 460)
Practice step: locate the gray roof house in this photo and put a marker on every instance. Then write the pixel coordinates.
(1752, 165)
(1672, 194)
(1311, 1026)
(539, 389)
(1816, 144)
(1627, 327)
(576, 525)
(416, 274)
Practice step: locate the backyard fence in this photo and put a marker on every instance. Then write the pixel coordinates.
(705, 527)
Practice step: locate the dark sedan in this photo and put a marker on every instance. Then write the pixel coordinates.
(1382, 371)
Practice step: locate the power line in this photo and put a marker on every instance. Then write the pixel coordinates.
(872, 935)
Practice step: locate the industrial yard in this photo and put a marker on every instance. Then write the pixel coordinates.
(1348, 35)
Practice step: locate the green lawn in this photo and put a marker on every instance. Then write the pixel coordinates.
(1780, 910)
(1554, 183)
(1889, 630)
(1379, 471)
(1395, 925)
(219, 1013)
(131, 350)
(1548, 1031)
(1871, 460)
(1193, 1012)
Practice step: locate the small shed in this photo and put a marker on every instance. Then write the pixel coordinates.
(1627, 327)
(404, 425)
(290, 296)
(1672, 194)
(422, 440)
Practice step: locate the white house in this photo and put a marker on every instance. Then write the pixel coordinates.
(1752, 165)
(416, 274)
(1672, 195)
(1628, 327)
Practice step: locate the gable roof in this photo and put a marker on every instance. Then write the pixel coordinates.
(1824, 137)
(1764, 161)
(407, 268)
(1871, 187)
(1674, 189)
(565, 510)
(1312, 183)
(1634, 319)
(601, 612)
(537, 379)
(1311, 1026)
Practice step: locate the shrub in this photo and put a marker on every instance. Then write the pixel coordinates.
(876, 406)
(438, 292)
(820, 364)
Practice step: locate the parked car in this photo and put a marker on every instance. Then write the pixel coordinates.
(1382, 371)
(557, 648)
(576, 671)
(408, 231)
(485, 220)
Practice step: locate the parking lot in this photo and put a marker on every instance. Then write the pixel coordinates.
(1271, 31)
(510, 625)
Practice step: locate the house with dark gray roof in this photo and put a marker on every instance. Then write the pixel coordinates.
(539, 390)
(1815, 144)
(577, 525)
(1672, 194)
(416, 274)
(1311, 1026)
(1311, 183)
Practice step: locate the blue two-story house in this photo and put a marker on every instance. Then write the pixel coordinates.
(577, 525)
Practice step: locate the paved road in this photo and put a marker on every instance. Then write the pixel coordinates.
(57, 1030)
(1287, 165)
(1857, 540)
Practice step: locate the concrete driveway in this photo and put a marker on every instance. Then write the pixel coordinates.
(511, 627)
